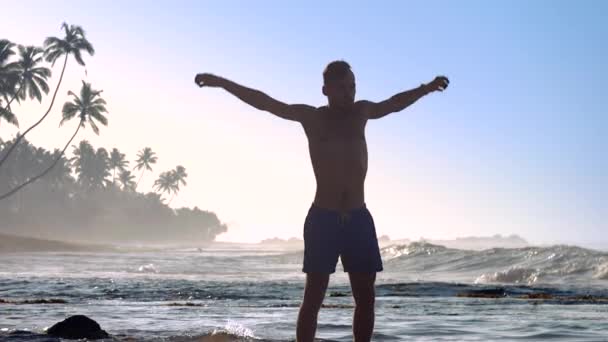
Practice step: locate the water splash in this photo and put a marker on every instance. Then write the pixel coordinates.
(149, 268)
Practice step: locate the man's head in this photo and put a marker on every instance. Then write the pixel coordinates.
(339, 84)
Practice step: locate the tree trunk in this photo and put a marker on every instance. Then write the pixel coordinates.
(19, 137)
(172, 197)
(142, 174)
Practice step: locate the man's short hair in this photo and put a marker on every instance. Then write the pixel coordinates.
(335, 70)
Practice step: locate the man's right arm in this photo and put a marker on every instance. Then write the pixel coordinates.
(257, 99)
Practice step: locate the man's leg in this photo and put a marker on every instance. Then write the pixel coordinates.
(362, 285)
(314, 293)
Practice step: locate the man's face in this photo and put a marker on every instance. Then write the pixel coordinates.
(341, 92)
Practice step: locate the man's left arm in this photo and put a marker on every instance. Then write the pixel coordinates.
(398, 102)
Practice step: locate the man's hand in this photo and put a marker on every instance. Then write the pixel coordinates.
(438, 84)
(208, 80)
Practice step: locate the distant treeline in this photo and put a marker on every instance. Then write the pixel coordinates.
(92, 197)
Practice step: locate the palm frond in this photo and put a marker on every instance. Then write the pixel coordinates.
(8, 116)
(93, 126)
(78, 57)
(99, 117)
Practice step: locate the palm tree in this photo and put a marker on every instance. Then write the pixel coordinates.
(32, 78)
(73, 44)
(145, 158)
(117, 161)
(166, 183)
(89, 107)
(101, 169)
(82, 161)
(180, 175)
(6, 51)
(9, 77)
(92, 167)
(126, 179)
(9, 71)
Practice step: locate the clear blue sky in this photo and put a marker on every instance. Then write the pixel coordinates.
(518, 143)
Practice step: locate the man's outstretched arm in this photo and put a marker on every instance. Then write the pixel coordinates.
(256, 98)
(399, 102)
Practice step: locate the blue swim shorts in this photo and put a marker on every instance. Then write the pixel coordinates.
(351, 235)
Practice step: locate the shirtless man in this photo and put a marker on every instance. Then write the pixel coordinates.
(338, 223)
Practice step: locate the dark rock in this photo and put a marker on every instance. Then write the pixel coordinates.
(485, 293)
(186, 304)
(34, 301)
(76, 327)
(44, 301)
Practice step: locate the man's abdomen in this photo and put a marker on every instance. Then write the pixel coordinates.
(340, 187)
(340, 168)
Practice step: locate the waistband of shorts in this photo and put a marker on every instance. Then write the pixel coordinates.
(318, 209)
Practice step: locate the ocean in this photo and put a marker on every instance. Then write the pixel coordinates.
(249, 293)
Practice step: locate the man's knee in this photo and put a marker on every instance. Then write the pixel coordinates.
(363, 287)
(365, 301)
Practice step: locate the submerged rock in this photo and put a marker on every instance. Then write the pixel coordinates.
(76, 327)
(23, 336)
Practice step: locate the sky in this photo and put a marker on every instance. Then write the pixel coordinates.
(516, 145)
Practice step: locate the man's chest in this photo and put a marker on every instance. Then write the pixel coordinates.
(337, 129)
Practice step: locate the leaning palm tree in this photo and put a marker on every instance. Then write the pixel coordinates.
(73, 44)
(126, 179)
(145, 158)
(89, 107)
(117, 161)
(32, 78)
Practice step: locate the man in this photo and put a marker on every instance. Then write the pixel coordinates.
(338, 223)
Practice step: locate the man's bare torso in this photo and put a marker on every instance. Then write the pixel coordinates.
(338, 152)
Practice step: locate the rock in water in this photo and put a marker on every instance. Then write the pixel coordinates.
(76, 327)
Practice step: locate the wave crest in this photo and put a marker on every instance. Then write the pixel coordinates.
(513, 275)
(411, 250)
(526, 265)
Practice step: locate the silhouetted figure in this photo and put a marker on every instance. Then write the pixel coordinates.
(338, 223)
